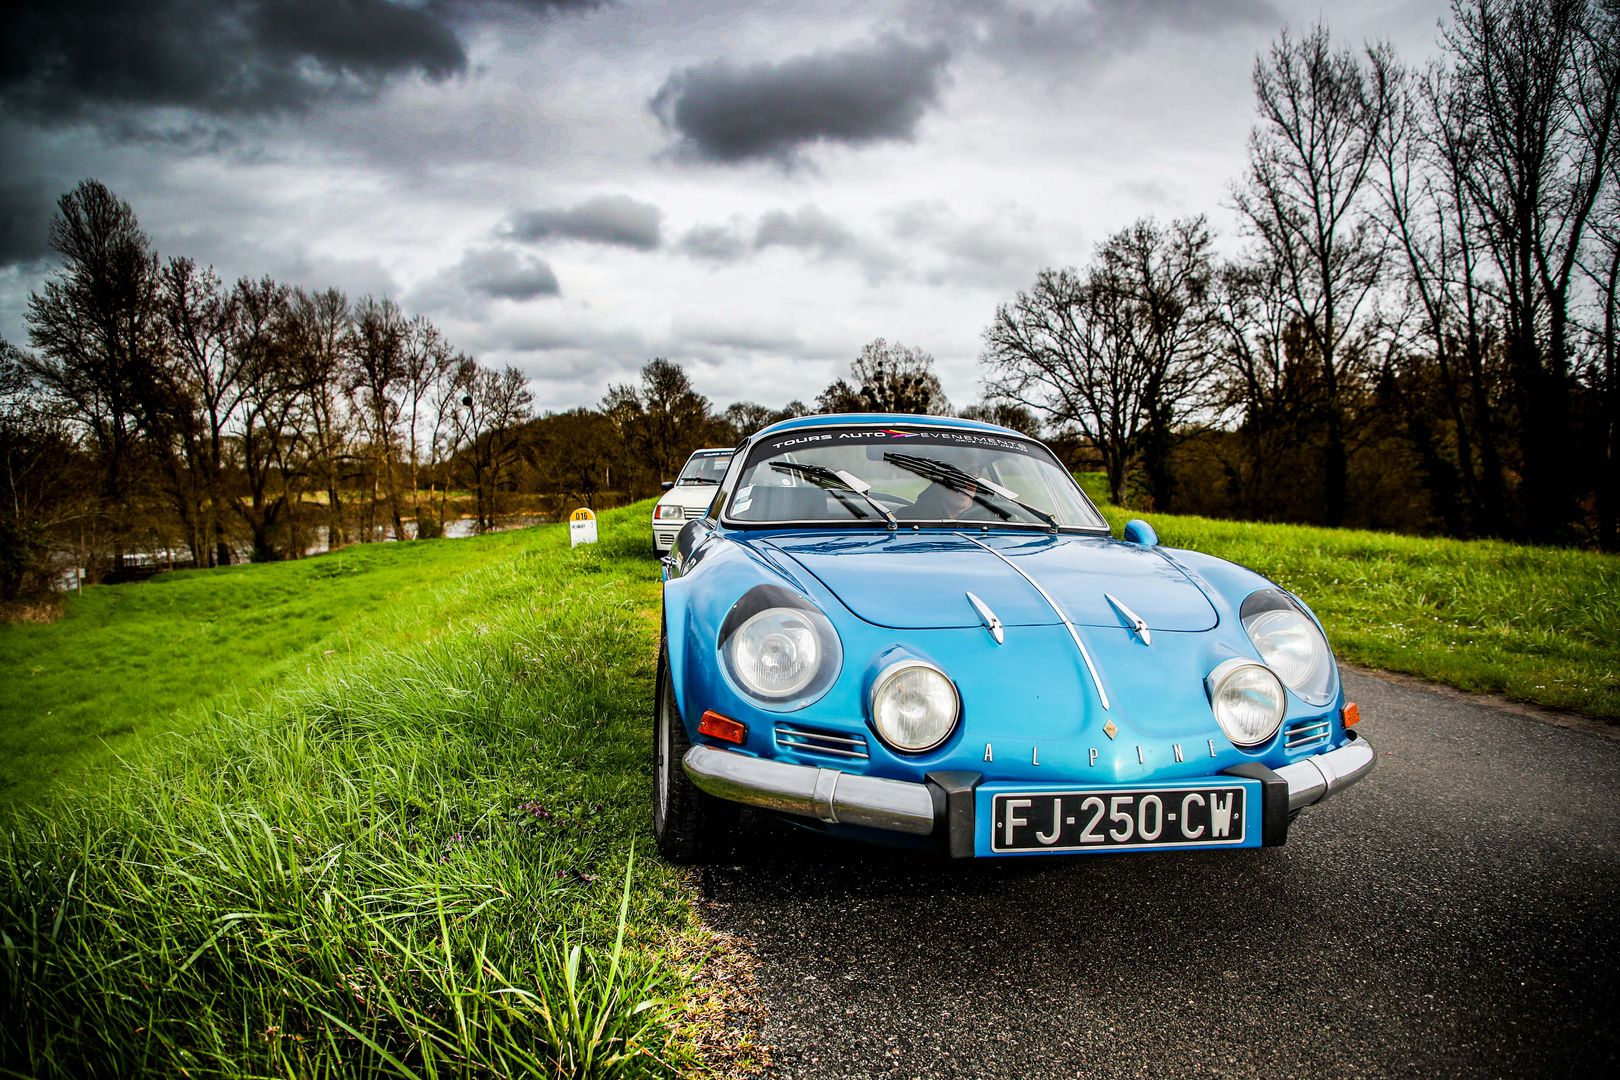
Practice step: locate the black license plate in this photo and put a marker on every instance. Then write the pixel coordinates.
(1111, 818)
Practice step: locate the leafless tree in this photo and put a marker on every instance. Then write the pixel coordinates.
(1152, 283)
(1119, 353)
(1308, 203)
(376, 367)
(208, 372)
(491, 406)
(427, 370)
(96, 327)
(1539, 82)
(317, 327)
(268, 420)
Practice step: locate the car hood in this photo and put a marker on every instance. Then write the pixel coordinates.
(688, 496)
(920, 580)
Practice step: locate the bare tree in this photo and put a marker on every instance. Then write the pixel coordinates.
(1153, 285)
(97, 330)
(1540, 86)
(38, 495)
(1049, 351)
(1121, 353)
(316, 337)
(1307, 202)
(267, 420)
(492, 406)
(200, 317)
(428, 366)
(1602, 269)
(376, 355)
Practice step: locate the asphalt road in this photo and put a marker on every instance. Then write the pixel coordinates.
(1456, 914)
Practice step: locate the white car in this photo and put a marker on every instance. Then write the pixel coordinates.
(689, 496)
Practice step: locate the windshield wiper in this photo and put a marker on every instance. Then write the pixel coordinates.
(943, 472)
(837, 482)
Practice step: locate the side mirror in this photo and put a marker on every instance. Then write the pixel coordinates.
(666, 485)
(1140, 532)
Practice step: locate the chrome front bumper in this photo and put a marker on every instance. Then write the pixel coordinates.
(901, 806)
(1312, 779)
(837, 797)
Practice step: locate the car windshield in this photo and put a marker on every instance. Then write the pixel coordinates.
(907, 474)
(703, 469)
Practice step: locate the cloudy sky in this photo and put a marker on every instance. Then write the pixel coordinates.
(575, 186)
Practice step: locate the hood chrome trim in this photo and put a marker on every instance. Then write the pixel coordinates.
(1138, 623)
(1063, 616)
(991, 622)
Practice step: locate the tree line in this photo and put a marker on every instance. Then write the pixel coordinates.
(1421, 330)
(159, 408)
(159, 411)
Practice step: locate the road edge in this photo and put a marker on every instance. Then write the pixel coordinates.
(1570, 721)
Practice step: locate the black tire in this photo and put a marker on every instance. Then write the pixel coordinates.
(688, 825)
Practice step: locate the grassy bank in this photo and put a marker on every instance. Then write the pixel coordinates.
(128, 663)
(410, 859)
(1540, 625)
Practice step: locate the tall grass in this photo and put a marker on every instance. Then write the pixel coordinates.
(130, 662)
(1538, 624)
(414, 862)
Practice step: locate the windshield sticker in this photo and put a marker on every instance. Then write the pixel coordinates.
(937, 436)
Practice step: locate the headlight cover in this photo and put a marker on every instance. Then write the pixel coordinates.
(783, 657)
(1247, 699)
(668, 512)
(1290, 643)
(914, 706)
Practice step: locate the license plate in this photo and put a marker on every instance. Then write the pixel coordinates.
(1112, 818)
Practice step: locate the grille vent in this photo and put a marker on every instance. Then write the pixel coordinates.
(1305, 733)
(814, 741)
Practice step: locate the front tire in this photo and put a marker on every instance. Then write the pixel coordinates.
(689, 825)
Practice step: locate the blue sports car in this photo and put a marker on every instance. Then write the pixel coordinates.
(919, 630)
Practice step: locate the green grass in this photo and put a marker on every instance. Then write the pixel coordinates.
(376, 813)
(127, 663)
(1540, 625)
(409, 857)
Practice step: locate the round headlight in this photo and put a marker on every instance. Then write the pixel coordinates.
(1290, 644)
(779, 652)
(1247, 700)
(914, 706)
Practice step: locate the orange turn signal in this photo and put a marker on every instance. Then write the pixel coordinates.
(1352, 715)
(722, 727)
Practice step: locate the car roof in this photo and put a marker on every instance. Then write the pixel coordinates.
(911, 419)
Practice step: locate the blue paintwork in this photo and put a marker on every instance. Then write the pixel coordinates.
(890, 595)
(1140, 532)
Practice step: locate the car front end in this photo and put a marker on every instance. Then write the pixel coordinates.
(1000, 691)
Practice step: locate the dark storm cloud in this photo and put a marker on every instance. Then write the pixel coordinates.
(465, 288)
(504, 275)
(616, 220)
(64, 60)
(864, 94)
(26, 207)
